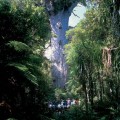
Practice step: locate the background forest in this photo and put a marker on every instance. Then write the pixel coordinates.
(92, 55)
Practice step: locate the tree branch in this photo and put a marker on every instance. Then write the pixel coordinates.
(75, 14)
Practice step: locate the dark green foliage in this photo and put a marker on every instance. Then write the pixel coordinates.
(77, 113)
(24, 86)
(64, 5)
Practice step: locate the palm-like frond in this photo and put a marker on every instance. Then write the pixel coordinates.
(19, 46)
(25, 72)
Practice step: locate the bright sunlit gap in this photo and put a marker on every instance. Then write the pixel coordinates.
(79, 12)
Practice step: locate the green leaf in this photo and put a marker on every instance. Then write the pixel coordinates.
(22, 68)
(18, 46)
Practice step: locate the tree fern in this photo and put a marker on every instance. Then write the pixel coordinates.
(19, 46)
(25, 72)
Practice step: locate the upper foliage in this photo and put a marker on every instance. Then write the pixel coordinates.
(59, 5)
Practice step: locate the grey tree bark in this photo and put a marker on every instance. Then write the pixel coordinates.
(59, 26)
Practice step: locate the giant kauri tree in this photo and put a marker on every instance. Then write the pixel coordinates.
(59, 12)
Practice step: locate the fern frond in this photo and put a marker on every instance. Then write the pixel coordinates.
(25, 71)
(19, 46)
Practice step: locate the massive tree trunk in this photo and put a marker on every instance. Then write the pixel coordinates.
(59, 26)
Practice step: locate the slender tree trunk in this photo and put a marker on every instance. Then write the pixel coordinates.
(116, 18)
(91, 91)
(86, 97)
(101, 89)
(90, 83)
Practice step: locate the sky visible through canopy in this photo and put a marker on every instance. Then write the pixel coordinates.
(79, 10)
